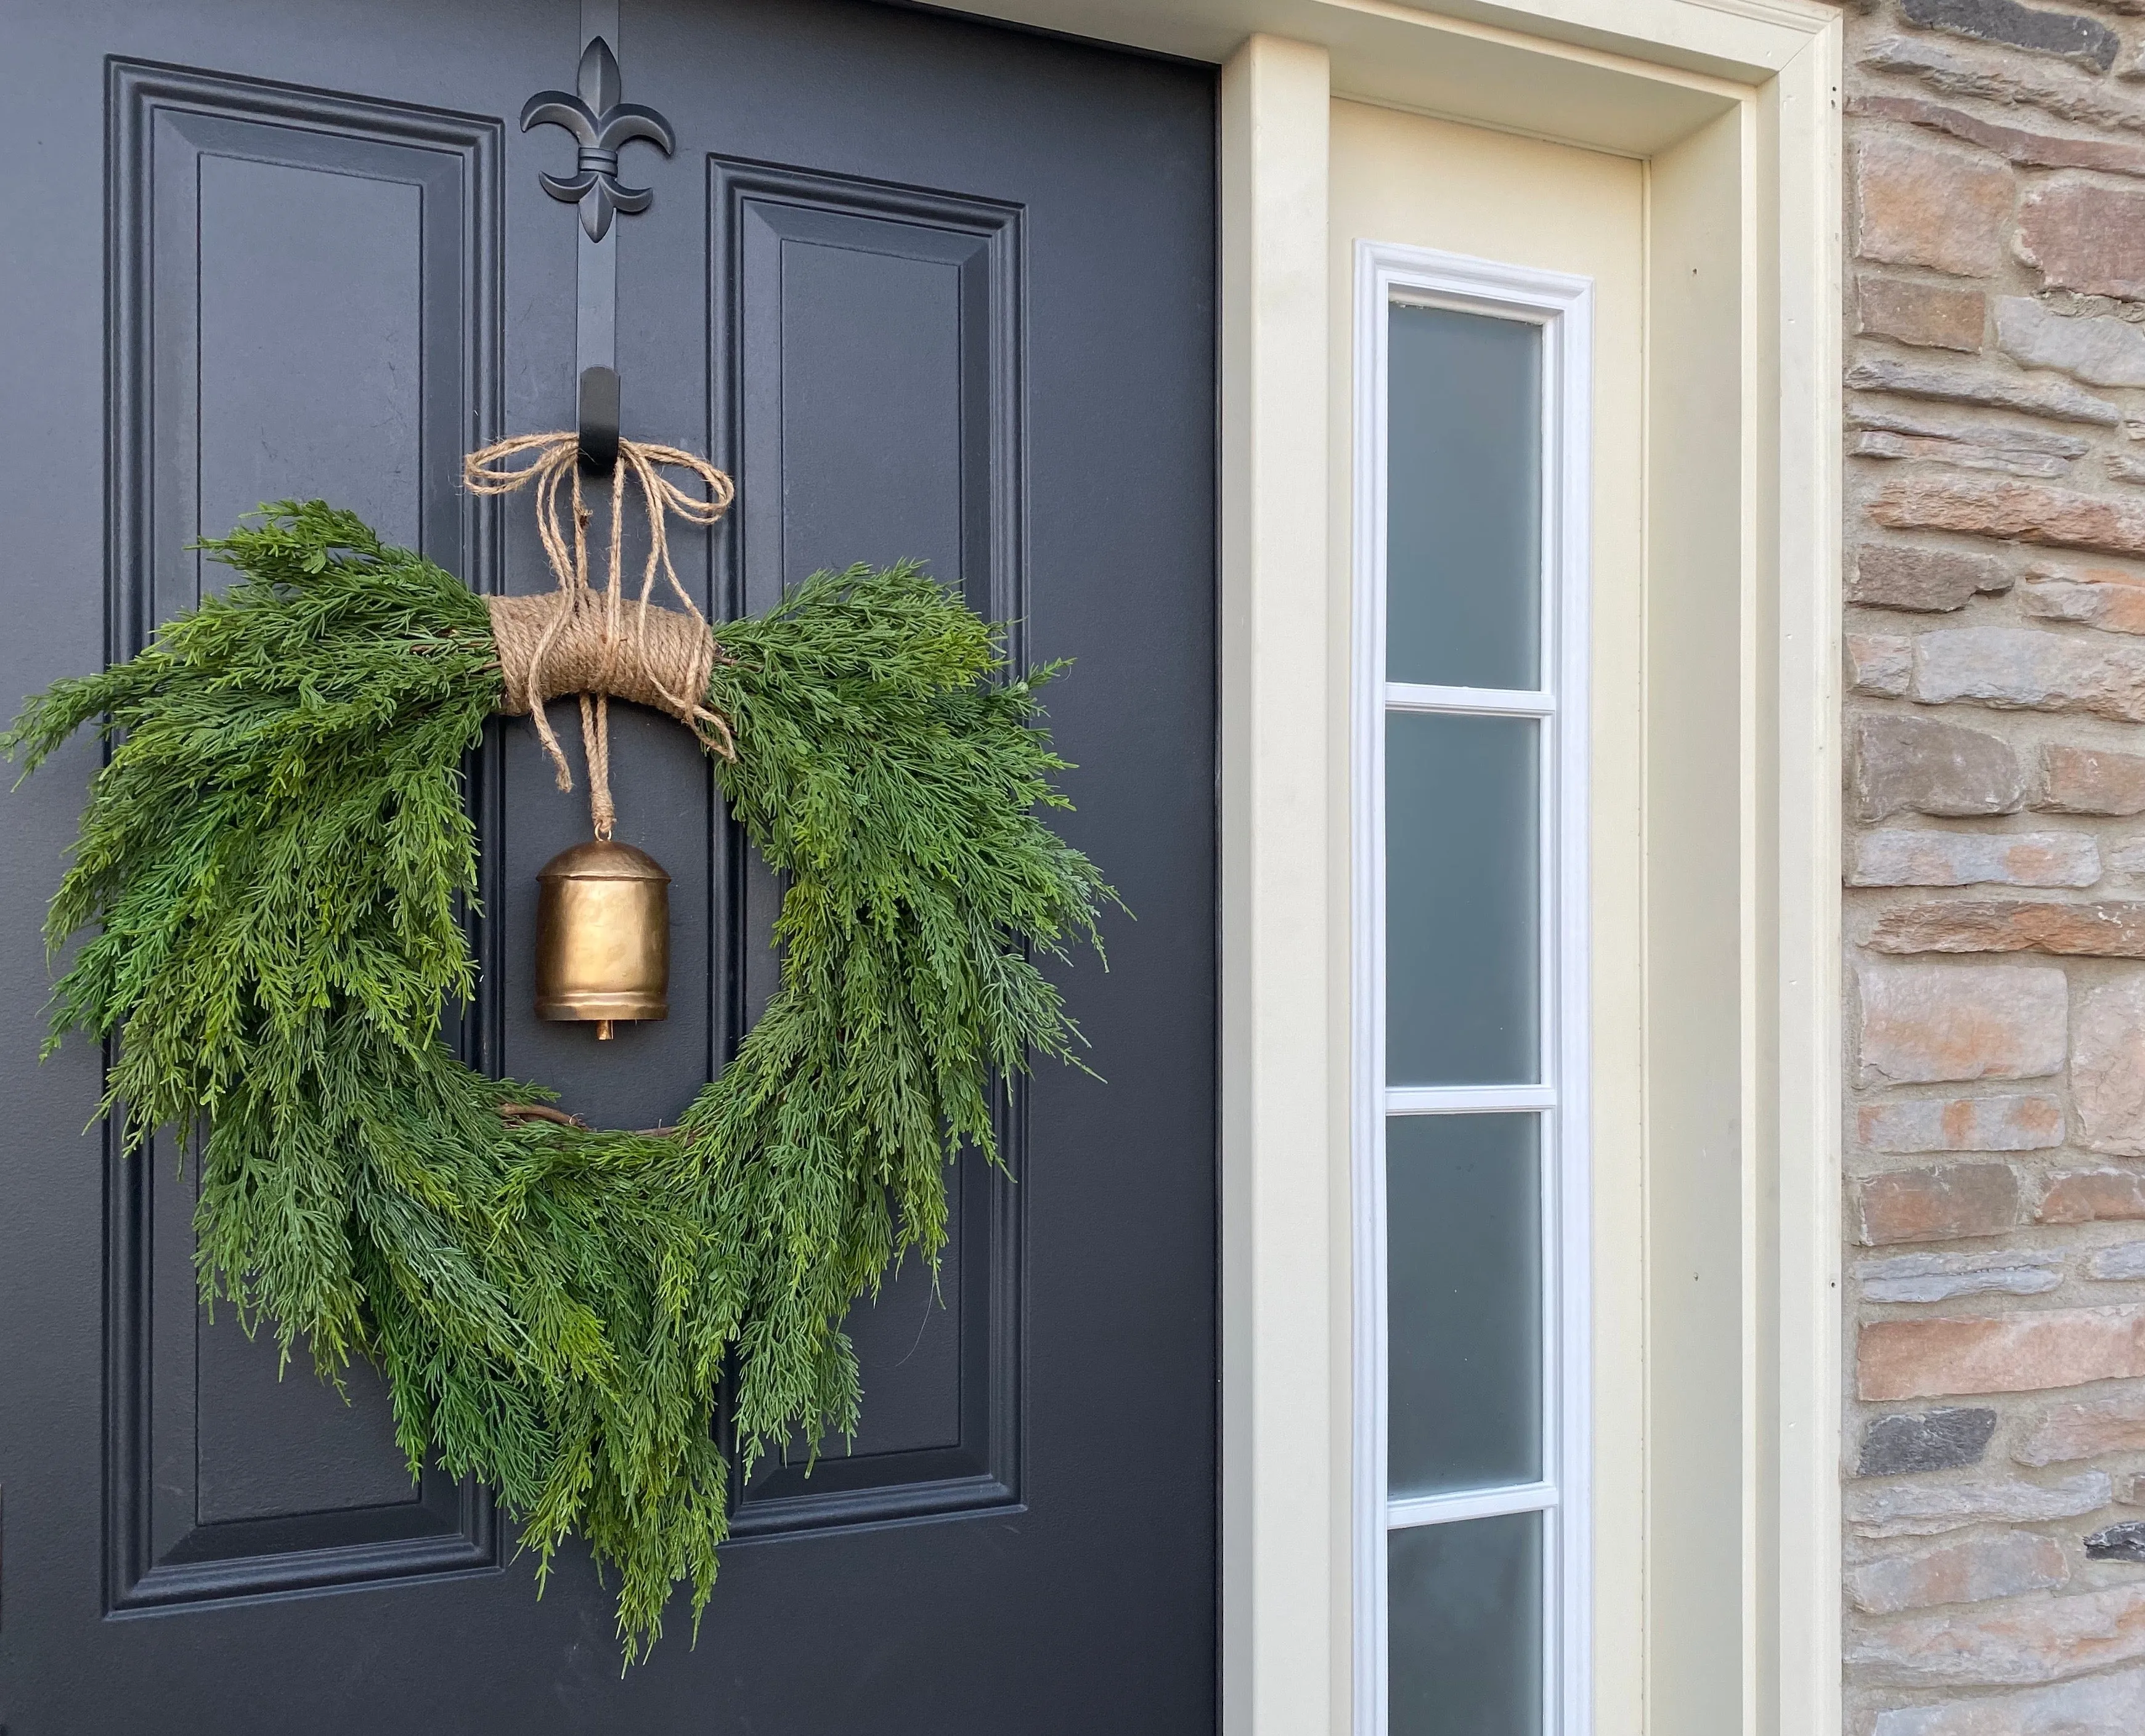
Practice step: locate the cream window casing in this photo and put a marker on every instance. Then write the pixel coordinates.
(1426, 211)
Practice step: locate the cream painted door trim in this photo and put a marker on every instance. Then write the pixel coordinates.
(1638, 76)
(1286, 1634)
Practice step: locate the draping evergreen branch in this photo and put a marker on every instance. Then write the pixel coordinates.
(274, 862)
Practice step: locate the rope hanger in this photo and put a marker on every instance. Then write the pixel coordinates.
(577, 640)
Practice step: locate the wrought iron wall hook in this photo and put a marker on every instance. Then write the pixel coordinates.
(600, 124)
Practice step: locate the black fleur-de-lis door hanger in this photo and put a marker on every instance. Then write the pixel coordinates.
(600, 124)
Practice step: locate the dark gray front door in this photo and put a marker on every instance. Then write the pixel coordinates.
(928, 288)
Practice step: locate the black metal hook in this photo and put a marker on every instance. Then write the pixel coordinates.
(599, 420)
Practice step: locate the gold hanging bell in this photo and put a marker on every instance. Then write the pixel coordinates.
(603, 936)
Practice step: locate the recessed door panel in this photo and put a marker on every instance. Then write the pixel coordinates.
(865, 347)
(305, 285)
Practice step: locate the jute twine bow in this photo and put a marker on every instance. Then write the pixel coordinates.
(578, 639)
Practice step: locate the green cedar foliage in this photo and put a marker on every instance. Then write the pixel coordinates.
(276, 862)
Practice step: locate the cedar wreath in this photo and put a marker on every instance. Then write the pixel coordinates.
(277, 862)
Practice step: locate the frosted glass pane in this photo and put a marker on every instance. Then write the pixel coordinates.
(1464, 1623)
(1463, 499)
(1463, 1301)
(1463, 921)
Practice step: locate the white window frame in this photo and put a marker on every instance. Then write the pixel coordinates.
(1562, 305)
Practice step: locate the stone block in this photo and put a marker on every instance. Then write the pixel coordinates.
(2108, 597)
(2012, 510)
(1961, 1124)
(2110, 1705)
(2097, 348)
(2014, 457)
(2119, 1259)
(1941, 1277)
(1879, 664)
(2108, 1067)
(2124, 1541)
(1879, 1510)
(2018, 145)
(1928, 857)
(1901, 575)
(1970, 1571)
(2058, 400)
(2009, 80)
(2066, 35)
(1902, 761)
(2109, 928)
(2085, 1429)
(1949, 1203)
(2007, 441)
(2126, 860)
(2091, 1196)
(1918, 205)
(2085, 235)
(1927, 1023)
(1925, 1440)
(2091, 780)
(1933, 316)
(2036, 1640)
(2017, 669)
(1918, 1359)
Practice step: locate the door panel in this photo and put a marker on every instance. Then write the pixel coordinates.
(927, 288)
(827, 293)
(304, 290)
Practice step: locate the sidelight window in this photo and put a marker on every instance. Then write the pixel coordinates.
(1469, 1180)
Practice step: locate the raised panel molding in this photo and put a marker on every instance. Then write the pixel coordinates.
(164, 124)
(755, 209)
(801, 263)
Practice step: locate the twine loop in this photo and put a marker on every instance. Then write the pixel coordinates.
(578, 639)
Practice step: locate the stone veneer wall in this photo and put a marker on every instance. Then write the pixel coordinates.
(1995, 561)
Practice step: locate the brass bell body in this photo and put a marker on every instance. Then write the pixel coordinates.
(603, 936)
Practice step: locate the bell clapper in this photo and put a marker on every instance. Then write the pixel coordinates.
(605, 1030)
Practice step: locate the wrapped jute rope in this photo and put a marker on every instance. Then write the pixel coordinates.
(580, 640)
